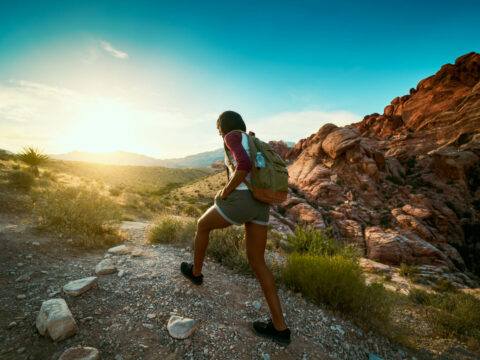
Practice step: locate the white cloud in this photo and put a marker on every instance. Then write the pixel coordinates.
(114, 52)
(293, 126)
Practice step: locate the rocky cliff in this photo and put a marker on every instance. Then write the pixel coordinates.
(403, 185)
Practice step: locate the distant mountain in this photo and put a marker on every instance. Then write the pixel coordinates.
(126, 158)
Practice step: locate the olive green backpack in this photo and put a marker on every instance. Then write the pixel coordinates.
(270, 183)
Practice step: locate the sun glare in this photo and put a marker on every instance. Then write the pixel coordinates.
(103, 126)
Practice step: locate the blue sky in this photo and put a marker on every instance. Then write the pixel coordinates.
(152, 77)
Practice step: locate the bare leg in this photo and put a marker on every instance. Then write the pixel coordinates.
(256, 239)
(210, 220)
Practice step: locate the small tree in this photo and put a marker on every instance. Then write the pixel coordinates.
(32, 157)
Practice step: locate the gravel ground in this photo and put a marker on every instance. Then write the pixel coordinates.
(125, 317)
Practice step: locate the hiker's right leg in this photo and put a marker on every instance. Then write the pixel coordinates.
(210, 220)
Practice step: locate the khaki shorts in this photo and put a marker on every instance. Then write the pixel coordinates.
(240, 207)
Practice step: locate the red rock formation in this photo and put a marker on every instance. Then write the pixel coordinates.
(410, 176)
(280, 147)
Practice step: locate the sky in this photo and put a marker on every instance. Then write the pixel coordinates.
(151, 77)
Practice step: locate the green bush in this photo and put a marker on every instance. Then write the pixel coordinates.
(21, 179)
(170, 230)
(338, 282)
(451, 314)
(191, 210)
(317, 242)
(32, 157)
(456, 314)
(82, 213)
(410, 271)
(227, 246)
(418, 296)
(444, 285)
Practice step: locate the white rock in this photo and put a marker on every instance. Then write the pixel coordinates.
(56, 320)
(256, 305)
(36, 243)
(80, 353)
(121, 273)
(80, 286)
(179, 327)
(151, 316)
(105, 267)
(119, 250)
(21, 296)
(138, 253)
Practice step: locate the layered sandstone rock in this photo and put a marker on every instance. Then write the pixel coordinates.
(410, 176)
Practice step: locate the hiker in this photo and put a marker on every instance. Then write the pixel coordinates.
(235, 204)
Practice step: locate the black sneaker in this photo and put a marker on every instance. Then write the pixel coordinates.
(187, 271)
(267, 330)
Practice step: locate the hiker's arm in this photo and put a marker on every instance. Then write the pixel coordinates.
(233, 141)
(237, 178)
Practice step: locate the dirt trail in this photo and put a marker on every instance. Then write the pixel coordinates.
(125, 317)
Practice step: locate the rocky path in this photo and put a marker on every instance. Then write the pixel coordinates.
(125, 315)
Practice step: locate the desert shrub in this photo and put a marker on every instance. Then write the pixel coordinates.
(227, 246)
(82, 213)
(166, 189)
(191, 200)
(418, 296)
(410, 271)
(115, 190)
(444, 285)
(171, 230)
(32, 157)
(338, 282)
(456, 314)
(21, 179)
(451, 314)
(49, 175)
(316, 242)
(191, 210)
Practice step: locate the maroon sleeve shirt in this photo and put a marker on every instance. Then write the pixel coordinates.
(233, 140)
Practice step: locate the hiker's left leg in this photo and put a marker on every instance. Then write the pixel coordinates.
(256, 239)
(210, 220)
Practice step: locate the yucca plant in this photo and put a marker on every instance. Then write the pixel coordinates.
(33, 157)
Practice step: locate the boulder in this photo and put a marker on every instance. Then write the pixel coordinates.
(340, 140)
(80, 353)
(418, 212)
(179, 327)
(351, 232)
(395, 248)
(80, 286)
(105, 267)
(307, 215)
(56, 320)
(119, 250)
(415, 225)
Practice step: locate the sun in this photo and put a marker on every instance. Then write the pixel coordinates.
(103, 126)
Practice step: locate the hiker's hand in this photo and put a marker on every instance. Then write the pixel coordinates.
(223, 195)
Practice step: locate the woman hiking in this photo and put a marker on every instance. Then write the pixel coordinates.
(235, 204)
